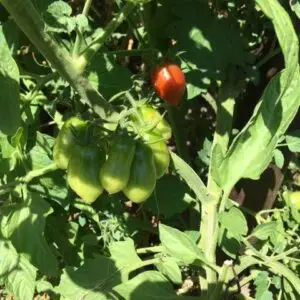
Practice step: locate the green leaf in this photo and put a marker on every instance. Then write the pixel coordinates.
(274, 112)
(203, 44)
(229, 245)
(65, 238)
(190, 177)
(82, 23)
(179, 245)
(58, 17)
(235, 223)
(42, 5)
(262, 283)
(279, 158)
(52, 185)
(148, 285)
(12, 35)
(264, 231)
(103, 72)
(168, 267)
(24, 224)
(43, 286)
(205, 153)
(278, 236)
(18, 274)
(293, 141)
(276, 280)
(89, 211)
(8, 153)
(41, 153)
(10, 113)
(295, 6)
(93, 280)
(169, 189)
(124, 255)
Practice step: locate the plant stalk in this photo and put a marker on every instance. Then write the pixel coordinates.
(147, 250)
(209, 229)
(219, 288)
(98, 42)
(27, 178)
(79, 37)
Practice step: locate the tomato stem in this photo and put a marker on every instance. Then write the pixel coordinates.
(79, 37)
(27, 178)
(219, 288)
(147, 250)
(209, 229)
(88, 53)
(134, 106)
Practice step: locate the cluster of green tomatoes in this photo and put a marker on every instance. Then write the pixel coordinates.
(128, 164)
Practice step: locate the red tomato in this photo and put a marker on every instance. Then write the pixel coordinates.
(168, 82)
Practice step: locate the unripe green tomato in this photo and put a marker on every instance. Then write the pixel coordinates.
(83, 172)
(67, 140)
(160, 152)
(142, 175)
(152, 117)
(295, 199)
(115, 172)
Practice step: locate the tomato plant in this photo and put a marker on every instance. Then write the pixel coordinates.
(107, 192)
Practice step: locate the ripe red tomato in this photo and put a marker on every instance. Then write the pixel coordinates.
(169, 82)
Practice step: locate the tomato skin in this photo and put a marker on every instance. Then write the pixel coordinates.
(83, 172)
(67, 140)
(152, 117)
(142, 175)
(168, 82)
(295, 199)
(160, 153)
(115, 172)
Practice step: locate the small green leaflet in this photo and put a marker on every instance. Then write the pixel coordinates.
(190, 177)
(25, 223)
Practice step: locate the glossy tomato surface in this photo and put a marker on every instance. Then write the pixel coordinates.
(115, 172)
(73, 130)
(169, 82)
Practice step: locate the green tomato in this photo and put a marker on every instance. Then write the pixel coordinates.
(115, 172)
(153, 119)
(295, 199)
(83, 172)
(142, 175)
(72, 130)
(160, 152)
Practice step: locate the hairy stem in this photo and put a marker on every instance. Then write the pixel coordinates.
(219, 288)
(78, 40)
(209, 229)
